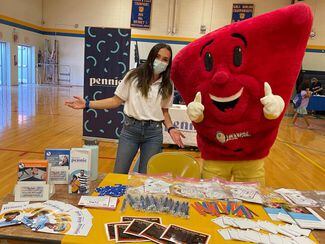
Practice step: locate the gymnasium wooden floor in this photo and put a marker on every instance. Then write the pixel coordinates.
(33, 118)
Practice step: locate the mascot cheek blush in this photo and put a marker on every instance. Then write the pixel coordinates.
(237, 82)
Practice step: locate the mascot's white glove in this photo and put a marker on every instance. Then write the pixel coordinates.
(195, 109)
(273, 104)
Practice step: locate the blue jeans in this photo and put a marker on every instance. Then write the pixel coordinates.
(144, 134)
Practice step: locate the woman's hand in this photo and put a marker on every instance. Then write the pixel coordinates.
(76, 103)
(176, 135)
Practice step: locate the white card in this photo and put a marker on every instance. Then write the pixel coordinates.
(94, 201)
(113, 202)
(285, 218)
(234, 234)
(297, 229)
(229, 221)
(284, 231)
(224, 233)
(13, 205)
(303, 240)
(242, 236)
(219, 221)
(253, 236)
(246, 224)
(275, 239)
(268, 226)
(264, 238)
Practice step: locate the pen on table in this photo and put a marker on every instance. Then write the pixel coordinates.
(252, 211)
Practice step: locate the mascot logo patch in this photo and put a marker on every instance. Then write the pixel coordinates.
(222, 138)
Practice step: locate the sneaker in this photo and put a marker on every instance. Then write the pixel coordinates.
(309, 127)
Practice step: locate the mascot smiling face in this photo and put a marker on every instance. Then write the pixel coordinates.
(237, 81)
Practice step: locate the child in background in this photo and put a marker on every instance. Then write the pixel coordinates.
(301, 110)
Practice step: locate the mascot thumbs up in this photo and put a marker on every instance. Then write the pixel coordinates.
(237, 82)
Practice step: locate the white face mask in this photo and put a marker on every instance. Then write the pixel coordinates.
(159, 66)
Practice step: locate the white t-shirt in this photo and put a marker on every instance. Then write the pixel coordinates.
(139, 107)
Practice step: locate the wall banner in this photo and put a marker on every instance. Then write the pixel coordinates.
(140, 14)
(107, 56)
(241, 11)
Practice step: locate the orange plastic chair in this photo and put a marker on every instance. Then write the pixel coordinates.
(179, 164)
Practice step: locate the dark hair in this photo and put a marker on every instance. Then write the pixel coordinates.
(11, 213)
(304, 85)
(42, 212)
(144, 73)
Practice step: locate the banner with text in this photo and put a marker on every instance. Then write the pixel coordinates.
(107, 55)
(241, 11)
(140, 15)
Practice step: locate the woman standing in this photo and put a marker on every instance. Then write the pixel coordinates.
(147, 93)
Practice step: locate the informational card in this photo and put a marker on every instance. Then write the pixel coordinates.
(181, 235)
(137, 226)
(59, 159)
(273, 209)
(305, 217)
(153, 232)
(79, 173)
(13, 206)
(303, 198)
(33, 191)
(130, 229)
(33, 171)
(106, 202)
(150, 219)
(121, 236)
(57, 218)
(12, 213)
(53, 217)
(110, 229)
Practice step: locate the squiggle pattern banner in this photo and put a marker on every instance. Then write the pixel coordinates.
(107, 55)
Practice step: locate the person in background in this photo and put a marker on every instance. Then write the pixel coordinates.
(316, 86)
(147, 93)
(301, 110)
(178, 98)
(300, 79)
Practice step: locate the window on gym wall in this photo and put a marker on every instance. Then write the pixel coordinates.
(26, 64)
(3, 64)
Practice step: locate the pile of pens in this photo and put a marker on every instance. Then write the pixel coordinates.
(149, 203)
(223, 207)
(114, 191)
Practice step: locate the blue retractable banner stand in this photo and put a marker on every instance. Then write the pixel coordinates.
(107, 55)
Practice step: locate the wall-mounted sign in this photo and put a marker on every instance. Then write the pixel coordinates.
(141, 11)
(241, 11)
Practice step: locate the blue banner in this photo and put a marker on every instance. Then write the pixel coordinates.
(107, 55)
(241, 12)
(141, 11)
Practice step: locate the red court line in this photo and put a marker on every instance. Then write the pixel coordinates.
(26, 152)
(106, 157)
(22, 154)
(17, 150)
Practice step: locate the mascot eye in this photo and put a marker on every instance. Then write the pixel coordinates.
(238, 56)
(208, 61)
